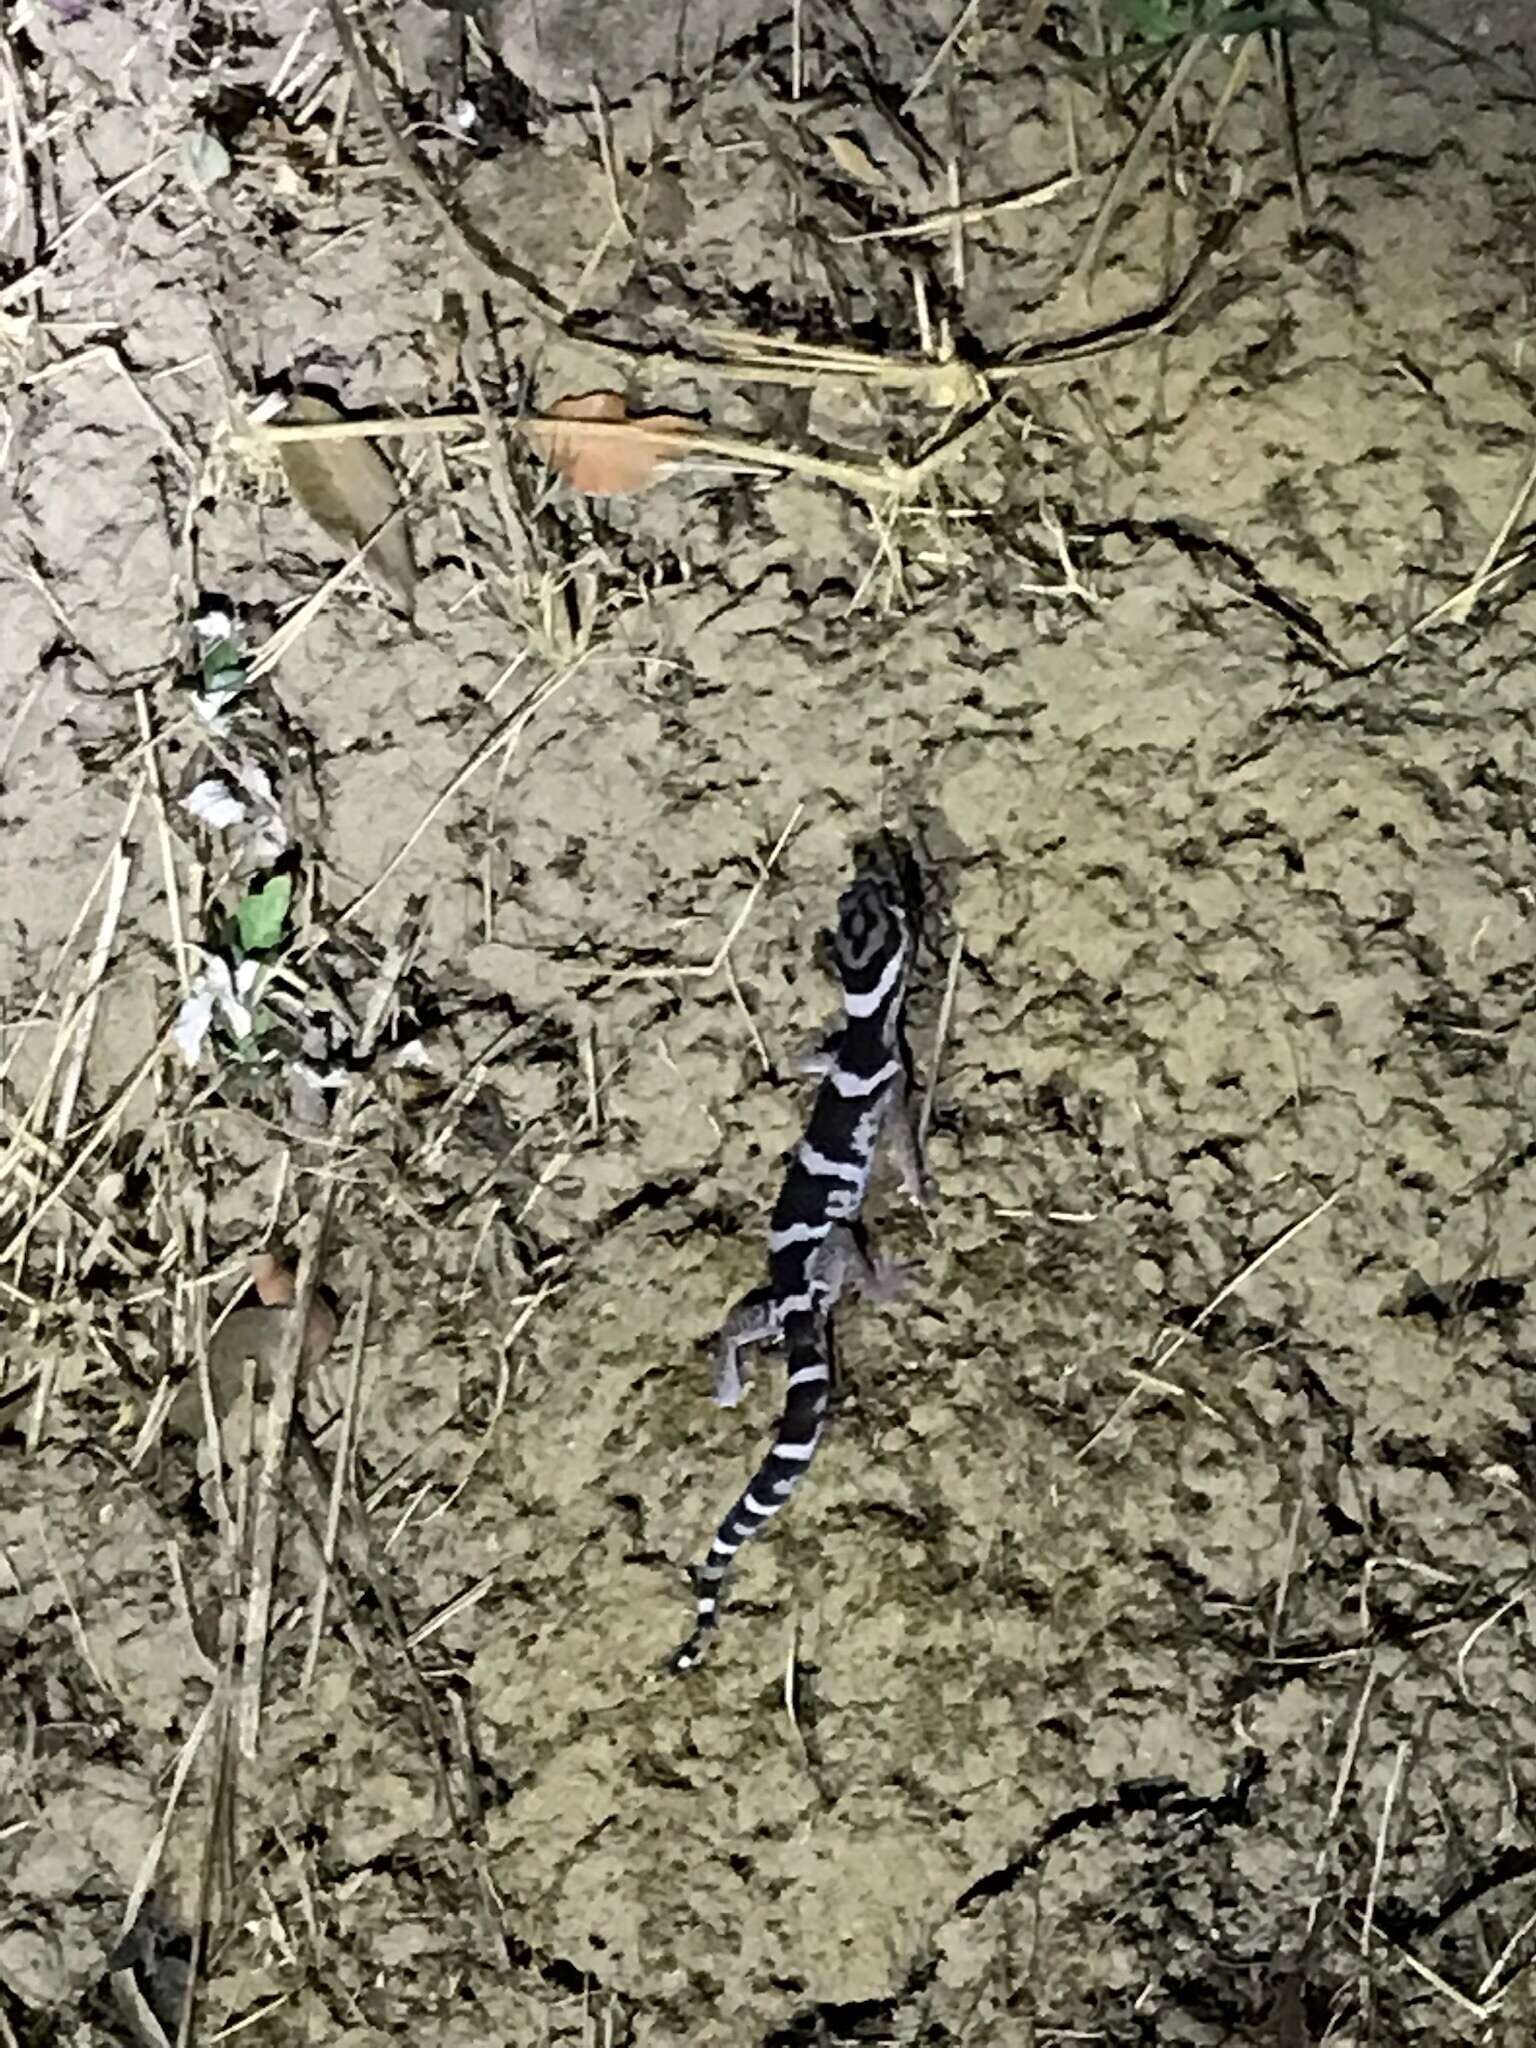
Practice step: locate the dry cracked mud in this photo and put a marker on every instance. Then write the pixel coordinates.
(1149, 1657)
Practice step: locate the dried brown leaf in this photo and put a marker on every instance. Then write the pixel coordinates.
(348, 489)
(600, 448)
(855, 162)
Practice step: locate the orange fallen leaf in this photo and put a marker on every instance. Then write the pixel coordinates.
(600, 448)
(274, 1286)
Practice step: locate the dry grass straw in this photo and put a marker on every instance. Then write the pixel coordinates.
(278, 1420)
(945, 382)
(1482, 2010)
(102, 354)
(1494, 569)
(503, 740)
(941, 1037)
(341, 1480)
(606, 156)
(250, 1541)
(708, 969)
(971, 213)
(942, 54)
(39, 1173)
(506, 1382)
(78, 1039)
(868, 480)
(950, 381)
(54, 1191)
(180, 951)
(1152, 1380)
(1383, 1835)
(1518, 1599)
(1135, 157)
(33, 279)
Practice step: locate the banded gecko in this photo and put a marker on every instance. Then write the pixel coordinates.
(814, 1241)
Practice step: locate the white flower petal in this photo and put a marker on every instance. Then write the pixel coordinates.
(256, 782)
(191, 1027)
(211, 708)
(216, 977)
(237, 1016)
(214, 804)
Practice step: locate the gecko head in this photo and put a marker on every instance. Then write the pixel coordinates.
(871, 936)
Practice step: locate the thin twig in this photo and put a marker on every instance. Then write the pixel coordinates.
(279, 1416)
(970, 214)
(930, 70)
(341, 1480)
(1135, 156)
(940, 1037)
(1224, 1293)
(1389, 1801)
(506, 734)
(712, 967)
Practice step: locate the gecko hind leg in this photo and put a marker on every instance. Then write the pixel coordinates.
(751, 1321)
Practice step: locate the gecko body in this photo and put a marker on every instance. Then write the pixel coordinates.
(814, 1242)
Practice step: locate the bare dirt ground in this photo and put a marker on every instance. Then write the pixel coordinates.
(1149, 1657)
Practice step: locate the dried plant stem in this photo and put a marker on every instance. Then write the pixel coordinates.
(707, 970)
(941, 1037)
(1135, 157)
(505, 736)
(961, 23)
(278, 1420)
(1144, 1381)
(101, 954)
(970, 214)
(341, 1480)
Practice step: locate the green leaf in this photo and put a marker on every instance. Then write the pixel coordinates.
(223, 666)
(1159, 21)
(262, 915)
(1158, 25)
(204, 158)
